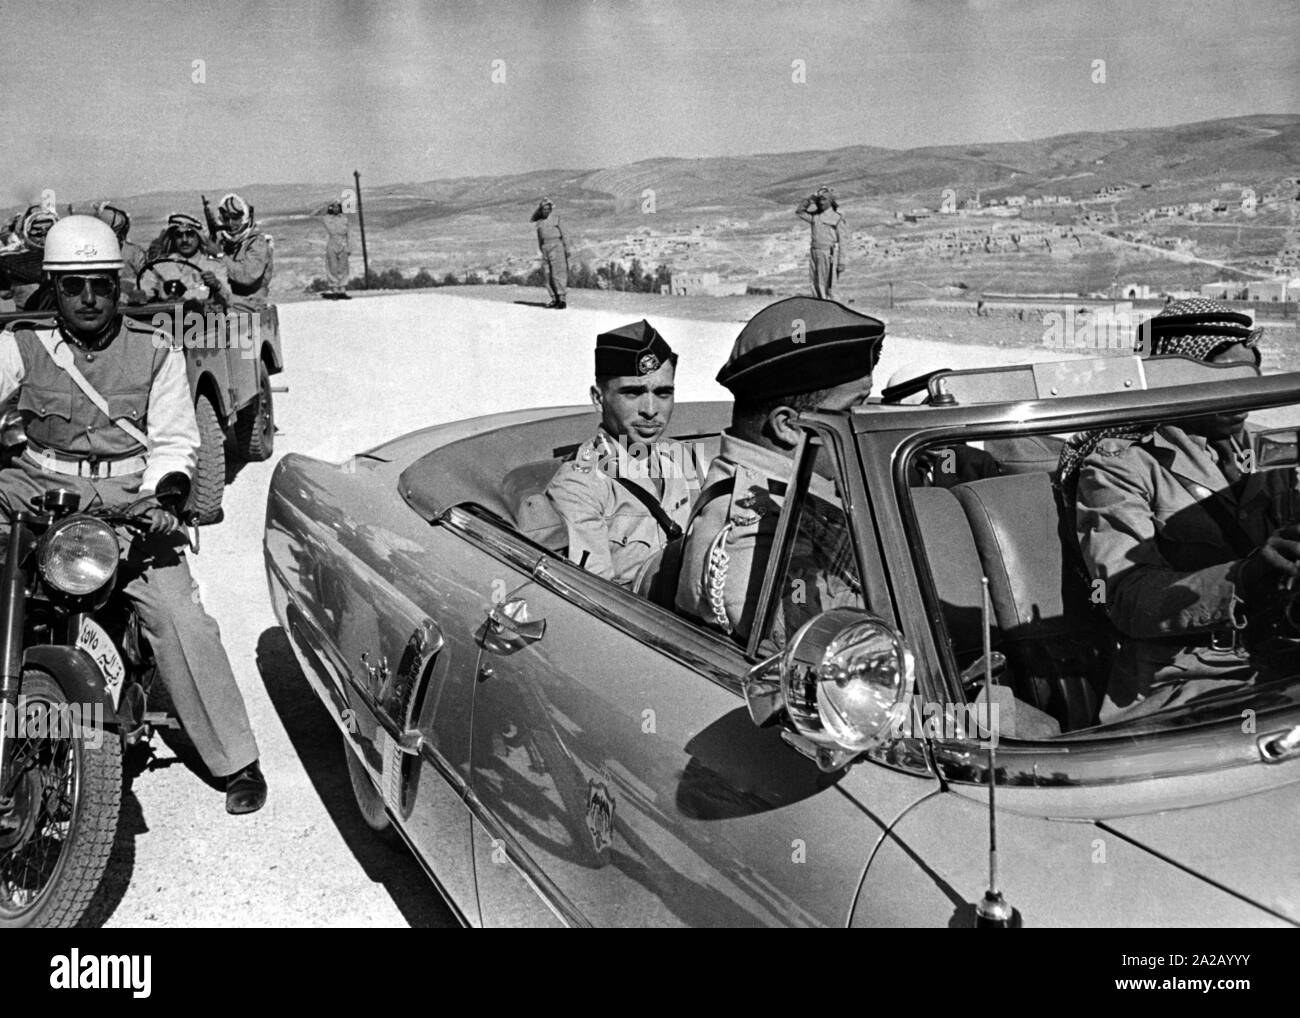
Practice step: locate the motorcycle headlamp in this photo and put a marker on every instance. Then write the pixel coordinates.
(79, 556)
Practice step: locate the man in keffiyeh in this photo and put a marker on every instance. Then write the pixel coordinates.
(1181, 537)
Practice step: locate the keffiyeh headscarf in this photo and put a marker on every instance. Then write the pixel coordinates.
(1198, 328)
(237, 217)
(35, 216)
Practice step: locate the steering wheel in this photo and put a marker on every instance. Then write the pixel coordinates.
(178, 260)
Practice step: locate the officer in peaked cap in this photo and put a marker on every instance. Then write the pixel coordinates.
(627, 491)
(795, 355)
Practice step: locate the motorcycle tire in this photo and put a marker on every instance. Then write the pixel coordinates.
(50, 873)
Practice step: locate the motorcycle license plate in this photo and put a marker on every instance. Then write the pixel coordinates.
(97, 643)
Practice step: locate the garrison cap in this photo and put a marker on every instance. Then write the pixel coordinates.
(801, 344)
(635, 349)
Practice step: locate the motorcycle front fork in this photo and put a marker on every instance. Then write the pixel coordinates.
(13, 613)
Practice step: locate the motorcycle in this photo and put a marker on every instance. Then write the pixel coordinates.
(76, 675)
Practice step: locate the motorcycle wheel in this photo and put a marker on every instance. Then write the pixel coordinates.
(59, 820)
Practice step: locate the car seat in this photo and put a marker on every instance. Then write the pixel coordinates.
(523, 489)
(1055, 643)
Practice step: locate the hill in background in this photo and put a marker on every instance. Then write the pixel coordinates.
(732, 215)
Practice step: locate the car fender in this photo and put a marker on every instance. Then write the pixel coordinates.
(932, 867)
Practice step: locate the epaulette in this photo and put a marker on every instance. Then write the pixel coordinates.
(31, 324)
(750, 499)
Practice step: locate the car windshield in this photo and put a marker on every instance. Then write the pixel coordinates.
(1138, 576)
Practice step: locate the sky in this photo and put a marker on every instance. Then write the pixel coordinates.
(116, 97)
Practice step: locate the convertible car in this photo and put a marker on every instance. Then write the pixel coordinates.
(559, 750)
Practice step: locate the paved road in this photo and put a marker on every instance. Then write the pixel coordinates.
(358, 373)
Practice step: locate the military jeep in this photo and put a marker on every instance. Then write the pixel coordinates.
(230, 358)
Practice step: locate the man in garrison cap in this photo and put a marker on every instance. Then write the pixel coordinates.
(626, 492)
(795, 355)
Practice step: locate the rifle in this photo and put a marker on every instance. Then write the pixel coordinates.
(213, 229)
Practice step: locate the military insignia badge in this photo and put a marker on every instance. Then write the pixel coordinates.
(600, 814)
(648, 364)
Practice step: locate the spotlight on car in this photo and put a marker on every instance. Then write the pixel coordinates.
(842, 682)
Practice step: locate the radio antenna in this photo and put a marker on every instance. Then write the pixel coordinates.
(992, 912)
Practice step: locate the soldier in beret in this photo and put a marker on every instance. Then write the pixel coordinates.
(795, 355)
(626, 492)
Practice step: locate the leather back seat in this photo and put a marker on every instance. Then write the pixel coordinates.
(1055, 643)
(523, 489)
(954, 566)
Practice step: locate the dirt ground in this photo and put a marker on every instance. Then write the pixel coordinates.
(358, 373)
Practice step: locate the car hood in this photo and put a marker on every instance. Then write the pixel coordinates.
(1247, 846)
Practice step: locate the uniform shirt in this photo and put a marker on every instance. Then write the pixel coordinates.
(829, 229)
(612, 534)
(134, 260)
(1169, 576)
(336, 229)
(195, 288)
(550, 233)
(249, 265)
(728, 546)
(170, 425)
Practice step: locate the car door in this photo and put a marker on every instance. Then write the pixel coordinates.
(619, 779)
(376, 597)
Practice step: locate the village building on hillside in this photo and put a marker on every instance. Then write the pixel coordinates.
(704, 284)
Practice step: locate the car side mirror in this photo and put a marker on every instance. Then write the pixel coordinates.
(842, 685)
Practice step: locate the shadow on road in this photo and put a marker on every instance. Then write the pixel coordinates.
(121, 863)
(318, 743)
(533, 303)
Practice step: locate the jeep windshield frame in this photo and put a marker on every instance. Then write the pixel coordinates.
(1169, 744)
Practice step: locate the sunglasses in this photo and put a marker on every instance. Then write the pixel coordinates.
(75, 286)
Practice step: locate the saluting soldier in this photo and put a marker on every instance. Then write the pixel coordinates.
(830, 239)
(336, 248)
(795, 355)
(627, 492)
(554, 246)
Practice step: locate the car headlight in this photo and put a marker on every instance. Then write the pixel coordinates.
(79, 556)
(841, 681)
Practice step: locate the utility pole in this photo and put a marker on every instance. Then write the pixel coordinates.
(361, 222)
(891, 293)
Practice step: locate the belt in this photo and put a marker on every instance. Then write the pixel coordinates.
(96, 469)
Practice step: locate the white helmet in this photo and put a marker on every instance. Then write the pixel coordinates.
(81, 243)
